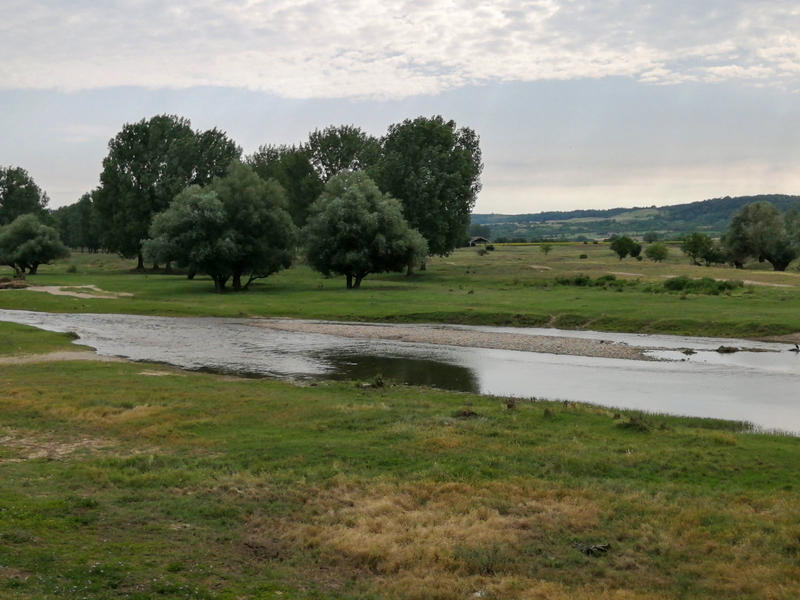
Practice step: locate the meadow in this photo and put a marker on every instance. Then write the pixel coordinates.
(513, 285)
(139, 481)
(123, 480)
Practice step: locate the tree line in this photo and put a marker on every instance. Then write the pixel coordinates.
(358, 203)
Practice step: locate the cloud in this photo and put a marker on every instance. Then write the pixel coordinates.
(391, 48)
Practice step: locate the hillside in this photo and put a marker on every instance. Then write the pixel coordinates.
(710, 216)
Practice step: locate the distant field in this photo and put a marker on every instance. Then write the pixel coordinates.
(137, 481)
(513, 285)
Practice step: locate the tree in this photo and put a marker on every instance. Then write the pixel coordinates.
(623, 246)
(79, 224)
(650, 237)
(761, 231)
(545, 248)
(354, 230)
(434, 169)
(19, 195)
(234, 228)
(291, 167)
(26, 243)
(148, 164)
(342, 149)
(657, 252)
(696, 246)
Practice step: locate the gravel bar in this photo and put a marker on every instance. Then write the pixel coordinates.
(441, 334)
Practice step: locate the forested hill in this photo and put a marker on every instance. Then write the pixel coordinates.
(711, 216)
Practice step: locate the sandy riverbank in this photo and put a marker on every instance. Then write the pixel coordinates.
(431, 334)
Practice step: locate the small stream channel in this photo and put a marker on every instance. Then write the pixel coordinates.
(762, 387)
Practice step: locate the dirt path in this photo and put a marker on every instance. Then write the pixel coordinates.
(76, 291)
(457, 337)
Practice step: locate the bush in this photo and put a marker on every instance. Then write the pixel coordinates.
(582, 256)
(656, 252)
(705, 285)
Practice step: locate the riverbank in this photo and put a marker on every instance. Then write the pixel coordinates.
(119, 483)
(500, 288)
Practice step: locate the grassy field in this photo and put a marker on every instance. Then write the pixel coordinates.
(515, 285)
(137, 481)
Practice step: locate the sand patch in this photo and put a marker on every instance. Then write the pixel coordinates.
(540, 267)
(626, 274)
(159, 374)
(78, 291)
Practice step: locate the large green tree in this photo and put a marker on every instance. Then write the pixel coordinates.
(79, 224)
(148, 164)
(354, 229)
(235, 228)
(341, 149)
(760, 231)
(433, 167)
(26, 243)
(19, 195)
(291, 167)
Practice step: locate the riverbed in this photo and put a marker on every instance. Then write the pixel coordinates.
(664, 374)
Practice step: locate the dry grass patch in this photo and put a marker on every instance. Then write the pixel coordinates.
(29, 445)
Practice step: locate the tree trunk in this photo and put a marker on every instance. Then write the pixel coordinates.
(409, 270)
(237, 282)
(423, 266)
(191, 274)
(349, 281)
(155, 266)
(140, 264)
(219, 283)
(32, 269)
(357, 283)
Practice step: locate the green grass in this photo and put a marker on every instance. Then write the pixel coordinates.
(19, 339)
(506, 287)
(116, 483)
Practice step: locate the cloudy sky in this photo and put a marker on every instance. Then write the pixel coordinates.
(578, 103)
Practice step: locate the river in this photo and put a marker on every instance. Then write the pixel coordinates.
(760, 387)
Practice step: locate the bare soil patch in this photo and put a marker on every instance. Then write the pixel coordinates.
(30, 446)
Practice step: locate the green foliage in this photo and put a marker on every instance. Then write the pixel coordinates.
(704, 285)
(79, 224)
(147, 165)
(697, 245)
(545, 248)
(657, 252)
(434, 169)
(19, 195)
(476, 230)
(26, 243)
(342, 149)
(760, 231)
(623, 246)
(354, 230)
(650, 237)
(291, 167)
(236, 227)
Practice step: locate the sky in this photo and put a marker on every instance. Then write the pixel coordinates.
(578, 103)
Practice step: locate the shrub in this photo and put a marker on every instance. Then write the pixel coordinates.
(656, 252)
(582, 256)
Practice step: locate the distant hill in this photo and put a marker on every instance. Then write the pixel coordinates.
(710, 216)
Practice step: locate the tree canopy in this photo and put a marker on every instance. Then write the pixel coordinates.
(291, 167)
(79, 224)
(623, 246)
(26, 243)
(236, 227)
(354, 229)
(342, 149)
(148, 164)
(19, 195)
(760, 231)
(434, 169)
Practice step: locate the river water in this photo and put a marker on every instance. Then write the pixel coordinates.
(761, 387)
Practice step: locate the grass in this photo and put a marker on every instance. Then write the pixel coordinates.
(513, 285)
(19, 339)
(117, 483)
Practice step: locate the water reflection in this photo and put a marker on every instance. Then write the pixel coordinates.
(400, 369)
